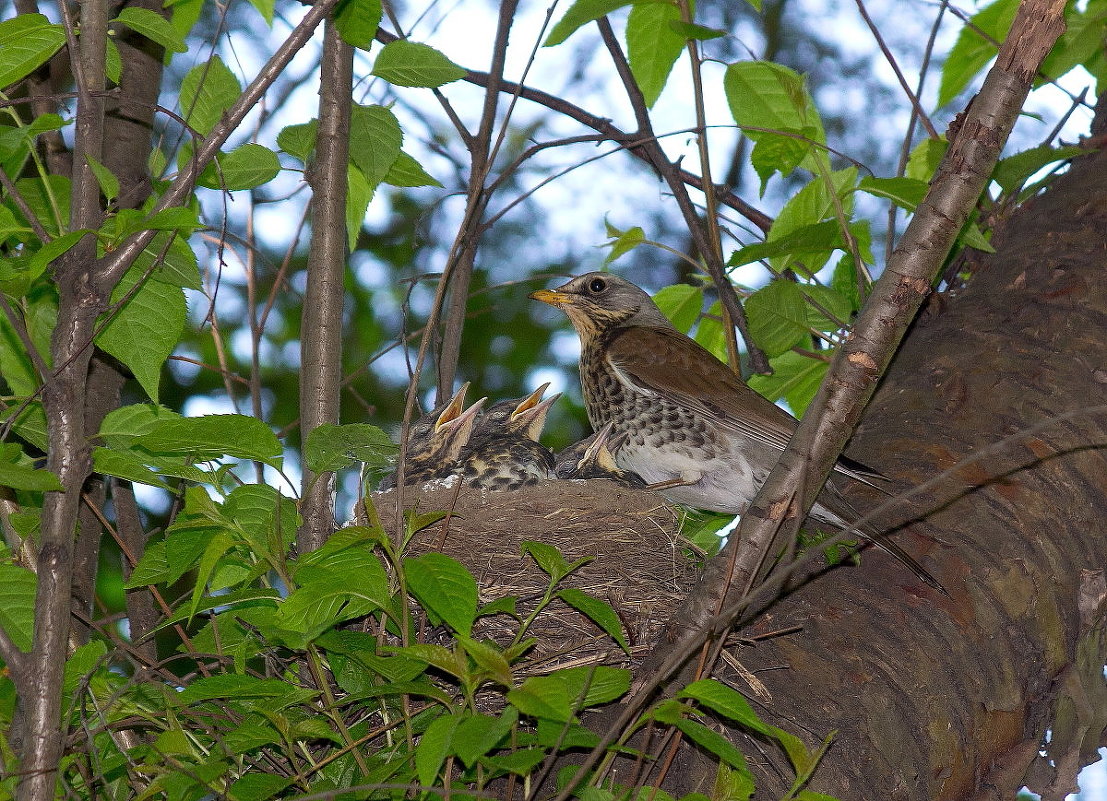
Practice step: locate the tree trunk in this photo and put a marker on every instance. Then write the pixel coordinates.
(941, 698)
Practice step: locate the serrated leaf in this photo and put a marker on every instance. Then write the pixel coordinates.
(814, 238)
(357, 21)
(580, 13)
(214, 436)
(358, 195)
(598, 611)
(689, 30)
(122, 426)
(17, 604)
(145, 330)
(153, 26)
(124, 464)
(26, 42)
(247, 166)
(375, 139)
(1012, 172)
(907, 193)
(17, 474)
(406, 171)
(30, 422)
(925, 158)
(331, 447)
(405, 63)
(974, 47)
(712, 742)
(681, 303)
(653, 46)
(624, 242)
(152, 568)
(593, 685)
(298, 140)
(443, 586)
(795, 379)
(208, 90)
(543, 697)
(777, 316)
(230, 685)
(766, 95)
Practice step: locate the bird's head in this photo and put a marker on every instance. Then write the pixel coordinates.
(597, 302)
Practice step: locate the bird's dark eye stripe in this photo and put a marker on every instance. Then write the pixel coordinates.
(597, 285)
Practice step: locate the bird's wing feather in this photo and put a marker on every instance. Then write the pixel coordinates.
(669, 363)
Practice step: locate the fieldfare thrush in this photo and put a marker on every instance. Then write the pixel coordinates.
(504, 452)
(436, 440)
(595, 457)
(690, 423)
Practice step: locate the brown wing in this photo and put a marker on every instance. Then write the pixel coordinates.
(667, 362)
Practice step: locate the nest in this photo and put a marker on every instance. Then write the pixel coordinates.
(638, 564)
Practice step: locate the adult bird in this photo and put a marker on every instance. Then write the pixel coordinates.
(504, 452)
(436, 440)
(690, 423)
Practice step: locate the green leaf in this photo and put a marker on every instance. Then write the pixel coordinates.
(712, 742)
(145, 330)
(17, 604)
(109, 184)
(599, 612)
(121, 427)
(445, 588)
(298, 140)
(124, 464)
(580, 13)
(154, 27)
(258, 786)
(357, 21)
(765, 95)
(26, 43)
(1012, 172)
(550, 559)
(624, 241)
(653, 46)
(973, 237)
(405, 63)
(213, 436)
(972, 51)
(593, 685)
(406, 171)
(331, 447)
(777, 316)
(543, 697)
(113, 62)
(730, 703)
(375, 139)
(245, 167)
(152, 568)
(434, 747)
(236, 686)
(488, 658)
(832, 312)
(795, 379)
(907, 193)
(30, 422)
(807, 239)
(16, 473)
(925, 158)
(478, 734)
(689, 30)
(521, 762)
(208, 90)
(681, 303)
(358, 195)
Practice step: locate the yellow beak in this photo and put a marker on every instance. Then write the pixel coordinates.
(552, 297)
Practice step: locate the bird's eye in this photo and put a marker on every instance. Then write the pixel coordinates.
(597, 285)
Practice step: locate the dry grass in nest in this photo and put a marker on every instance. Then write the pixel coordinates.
(638, 560)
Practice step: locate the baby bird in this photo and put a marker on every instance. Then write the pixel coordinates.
(504, 452)
(594, 457)
(436, 441)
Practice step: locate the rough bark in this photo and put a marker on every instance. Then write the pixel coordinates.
(937, 698)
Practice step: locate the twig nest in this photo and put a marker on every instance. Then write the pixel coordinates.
(639, 563)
